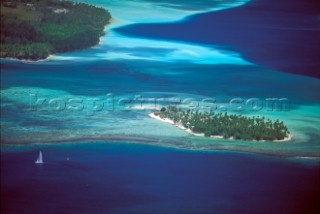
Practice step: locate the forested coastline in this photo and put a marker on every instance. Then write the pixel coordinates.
(34, 29)
(228, 126)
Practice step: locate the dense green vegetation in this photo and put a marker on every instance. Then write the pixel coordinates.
(236, 126)
(33, 29)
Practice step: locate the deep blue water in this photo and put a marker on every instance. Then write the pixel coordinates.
(280, 35)
(125, 178)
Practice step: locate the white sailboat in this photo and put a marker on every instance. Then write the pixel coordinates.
(39, 160)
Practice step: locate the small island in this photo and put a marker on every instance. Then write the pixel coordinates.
(36, 29)
(223, 125)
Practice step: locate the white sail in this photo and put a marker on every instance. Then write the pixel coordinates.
(39, 160)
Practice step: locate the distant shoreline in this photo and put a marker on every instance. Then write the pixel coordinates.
(65, 27)
(166, 120)
(53, 54)
(28, 60)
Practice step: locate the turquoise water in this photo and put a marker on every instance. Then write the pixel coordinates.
(128, 79)
(128, 67)
(100, 98)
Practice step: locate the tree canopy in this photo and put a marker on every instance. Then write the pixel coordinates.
(228, 126)
(34, 29)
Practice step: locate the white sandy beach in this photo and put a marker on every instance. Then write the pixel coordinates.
(166, 120)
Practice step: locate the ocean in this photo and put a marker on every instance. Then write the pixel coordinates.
(87, 111)
(135, 178)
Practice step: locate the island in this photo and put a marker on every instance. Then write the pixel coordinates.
(36, 29)
(223, 125)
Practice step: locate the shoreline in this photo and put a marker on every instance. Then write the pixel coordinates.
(28, 60)
(52, 55)
(166, 120)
